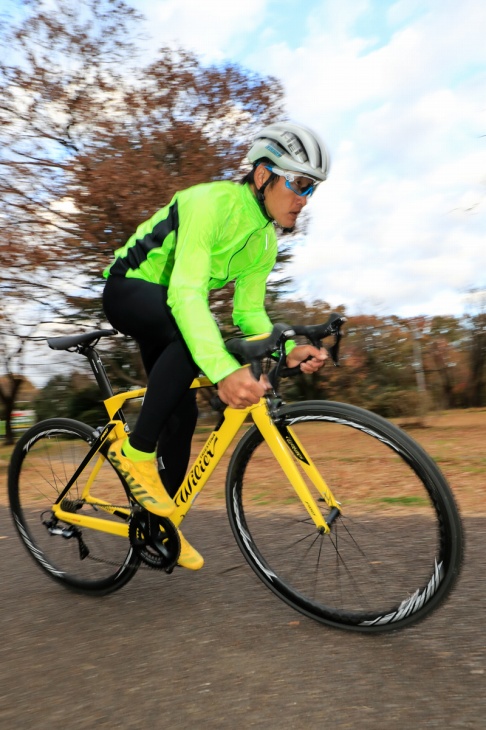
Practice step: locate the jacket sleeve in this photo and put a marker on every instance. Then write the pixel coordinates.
(249, 301)
(189, 290)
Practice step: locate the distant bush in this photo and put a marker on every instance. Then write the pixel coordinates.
(70, 396)
(397, 403)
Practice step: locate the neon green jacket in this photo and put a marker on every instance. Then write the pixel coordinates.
(208, 235)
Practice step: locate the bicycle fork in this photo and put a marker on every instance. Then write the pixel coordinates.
(286, 447)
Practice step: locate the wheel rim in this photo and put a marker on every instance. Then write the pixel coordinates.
(85, 559)
(387, 559)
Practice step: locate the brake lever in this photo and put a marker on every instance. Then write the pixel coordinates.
(256, 369)
(334, 349)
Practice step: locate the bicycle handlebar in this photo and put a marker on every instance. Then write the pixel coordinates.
(250, 351)
(254, 351)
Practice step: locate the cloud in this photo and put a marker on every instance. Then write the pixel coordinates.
(400, 221)
(214, 29)
(397, 91)
(390, 249)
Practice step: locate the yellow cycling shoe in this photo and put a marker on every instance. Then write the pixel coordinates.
(143, 481)
(189, 557)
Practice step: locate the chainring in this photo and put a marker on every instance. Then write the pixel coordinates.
(155, 540)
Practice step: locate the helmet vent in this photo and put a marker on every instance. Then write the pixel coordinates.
(271, 148)
(296, 148)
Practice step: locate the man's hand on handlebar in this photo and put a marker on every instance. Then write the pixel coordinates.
(309, 358)
(240, 389)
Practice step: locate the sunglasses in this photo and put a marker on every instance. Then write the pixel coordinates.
(298, 184)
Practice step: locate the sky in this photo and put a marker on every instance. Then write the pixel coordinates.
(397, 90)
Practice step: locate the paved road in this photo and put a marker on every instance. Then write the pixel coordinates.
(217, 650)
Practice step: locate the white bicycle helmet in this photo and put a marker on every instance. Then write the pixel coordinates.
(292, 147)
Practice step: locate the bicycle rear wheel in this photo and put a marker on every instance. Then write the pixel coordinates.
(43, 461)
(393, 554)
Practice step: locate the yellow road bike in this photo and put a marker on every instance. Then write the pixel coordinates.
(338, 511)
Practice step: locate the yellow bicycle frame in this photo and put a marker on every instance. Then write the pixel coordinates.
(204, 465)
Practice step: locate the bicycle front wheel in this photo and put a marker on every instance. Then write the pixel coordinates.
(394, 552)
(43, 461)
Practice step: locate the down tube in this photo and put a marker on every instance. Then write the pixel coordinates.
(206, 462)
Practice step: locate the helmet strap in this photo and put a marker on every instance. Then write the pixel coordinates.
(260, 194)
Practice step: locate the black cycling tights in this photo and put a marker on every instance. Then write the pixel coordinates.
(169, 412)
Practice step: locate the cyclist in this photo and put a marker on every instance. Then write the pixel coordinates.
(157, 293)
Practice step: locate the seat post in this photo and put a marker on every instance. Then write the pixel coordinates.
(99, 371)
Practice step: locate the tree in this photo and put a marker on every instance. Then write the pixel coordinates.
(445, 362)
(10, 386)
(94, 142)
(14, 337)
(476, 322)
(56, 79)
(94, 145)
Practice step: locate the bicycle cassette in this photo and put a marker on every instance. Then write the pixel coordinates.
(155, 540)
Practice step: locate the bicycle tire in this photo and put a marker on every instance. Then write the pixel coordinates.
(394, 553)
(44, 459)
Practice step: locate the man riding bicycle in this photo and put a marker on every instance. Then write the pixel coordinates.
(157, 293)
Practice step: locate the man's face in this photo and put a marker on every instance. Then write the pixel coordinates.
(282, 203)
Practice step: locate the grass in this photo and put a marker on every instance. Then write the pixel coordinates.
(405, 500)
(262, 498)
(455, 439)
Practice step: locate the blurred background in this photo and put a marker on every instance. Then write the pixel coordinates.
(109, 107)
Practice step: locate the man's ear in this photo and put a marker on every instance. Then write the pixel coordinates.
(260, 175)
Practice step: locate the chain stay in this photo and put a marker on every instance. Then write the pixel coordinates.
(165, 552)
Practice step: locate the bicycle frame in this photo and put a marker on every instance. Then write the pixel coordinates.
(369, 567)
(283, 443)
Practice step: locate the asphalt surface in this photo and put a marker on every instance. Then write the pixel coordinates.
(215, 649)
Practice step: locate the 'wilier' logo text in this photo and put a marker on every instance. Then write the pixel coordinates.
(197, 471)
(294, 448)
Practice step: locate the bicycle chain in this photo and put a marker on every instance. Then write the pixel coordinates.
(142, 566)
